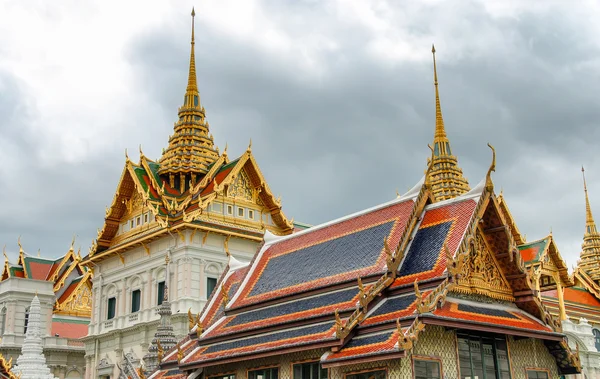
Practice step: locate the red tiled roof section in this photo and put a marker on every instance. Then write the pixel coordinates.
(517, 319)
(530, 253)
(39, 271)
(220, 178)
(574, 295)
(397, 213)
(68, 330)
(232, 281)
(354, 352)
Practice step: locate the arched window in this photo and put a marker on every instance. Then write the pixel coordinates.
(596, 338)
(2, 321)
(26, 320)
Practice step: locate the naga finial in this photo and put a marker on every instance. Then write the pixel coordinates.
(191, 321)
(160, 352)
(4, 253)
(73, 242)
(249, 146)
(488, 178)
(126, 155)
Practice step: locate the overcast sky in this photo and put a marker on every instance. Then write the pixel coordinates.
(337, 97)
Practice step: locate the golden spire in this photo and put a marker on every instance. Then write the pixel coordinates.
(445, 177)
(191, 149)
(590, 254)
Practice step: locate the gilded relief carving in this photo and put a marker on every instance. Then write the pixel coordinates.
(240, 188)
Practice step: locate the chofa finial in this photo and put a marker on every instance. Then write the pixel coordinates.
(488, 178)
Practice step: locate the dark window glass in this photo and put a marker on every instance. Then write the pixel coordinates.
(161, 293)
(426, 369)
(112, 303)
(483, 357)
(26, 320)
(368, 375)
(309, 370)
(597, 338)
(211, 283)
(135, 300)
(531, 374)
(267, 373)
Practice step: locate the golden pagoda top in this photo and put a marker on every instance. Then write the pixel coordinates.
(446, 178)
(191, 150)
(590, 253)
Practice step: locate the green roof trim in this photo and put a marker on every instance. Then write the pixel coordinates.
(69, 321)
(541, 245)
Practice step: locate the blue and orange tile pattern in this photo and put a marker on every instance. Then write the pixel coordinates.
(426, 257)
(368, 345)
(336, 253)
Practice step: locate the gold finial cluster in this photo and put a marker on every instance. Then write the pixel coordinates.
(445, 177)
(590, 254)
(191, 149)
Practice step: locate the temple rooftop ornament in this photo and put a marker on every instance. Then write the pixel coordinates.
(31, 364)
(445, 177)
(590, 254)
(191, 150)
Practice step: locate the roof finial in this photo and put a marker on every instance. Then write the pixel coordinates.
(589, 219)
(192, 84)
(444, 175)
(440, 132)
(591, 240)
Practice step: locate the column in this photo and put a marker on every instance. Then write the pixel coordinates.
(561, 300)
(174, 296)
(123, 297)
(202, 279)
(48, 306)
(148, 291)
(11, 316)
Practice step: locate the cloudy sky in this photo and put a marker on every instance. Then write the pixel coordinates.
(337, 96)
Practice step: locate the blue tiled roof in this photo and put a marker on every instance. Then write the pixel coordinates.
(486, 311)
(394, 304)
(367, 340)
(347, 253)
(273, 337)
(425, 249)
(294, 307)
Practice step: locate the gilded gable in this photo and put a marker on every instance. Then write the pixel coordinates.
(482, 274)
(240, 188)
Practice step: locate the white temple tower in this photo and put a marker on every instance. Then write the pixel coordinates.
(31, 364)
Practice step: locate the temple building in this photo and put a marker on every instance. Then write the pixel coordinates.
(63, 286)
(196, 206)
(429, 285)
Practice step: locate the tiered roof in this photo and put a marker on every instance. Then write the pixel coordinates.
(178, 191)
(364, 286)
(590, 254)
(71, 280)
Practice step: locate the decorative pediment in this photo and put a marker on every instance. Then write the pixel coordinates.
(481, 274)
(79, 302)
(240, 188)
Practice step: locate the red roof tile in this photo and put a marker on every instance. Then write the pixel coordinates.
(68, 330)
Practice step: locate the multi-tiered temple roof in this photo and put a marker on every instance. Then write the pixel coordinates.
(590, 249)
(191, 186)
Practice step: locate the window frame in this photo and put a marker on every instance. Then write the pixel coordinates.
(251, 214)
(261, 368)
(374, 369)
(108, 308)
(596, 334)
(537, 369)
(26, 319)
(311, 361)
(483, 336)
(241, 212)
(229, 210)
(139, 305)
(438, 360)
(160, 295)
(209, 293)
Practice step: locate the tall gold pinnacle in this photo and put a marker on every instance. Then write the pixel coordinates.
(192, 87)
(191, 149)
(440, 132)
(445, 177)
(590, 254)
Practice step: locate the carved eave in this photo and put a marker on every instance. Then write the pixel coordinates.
(517, 236)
